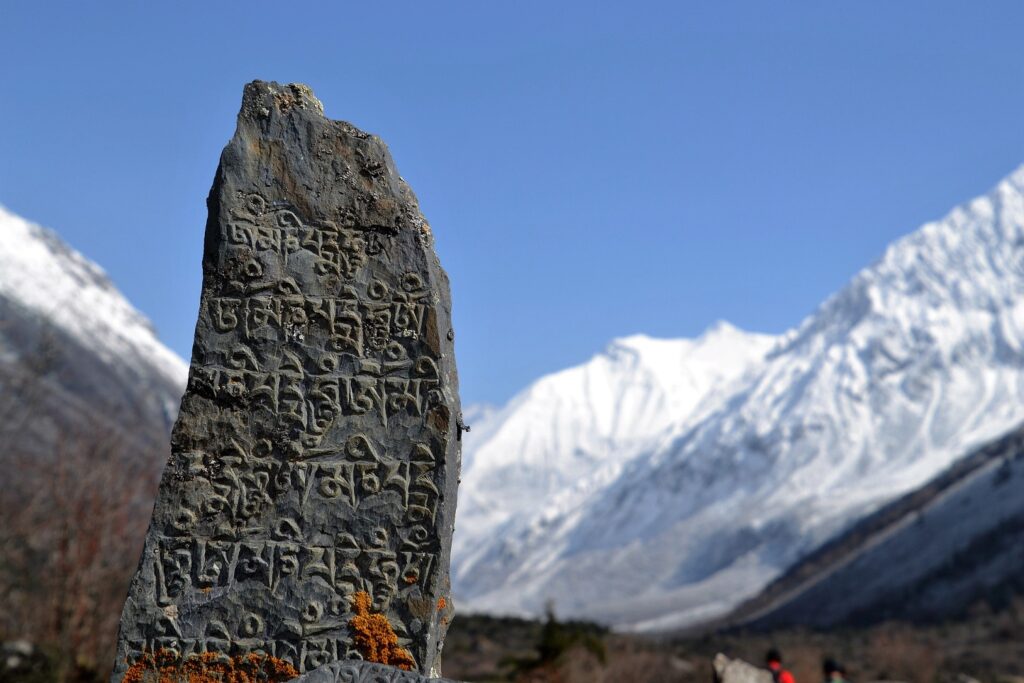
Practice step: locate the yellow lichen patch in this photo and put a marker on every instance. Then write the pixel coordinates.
(373, 635)
(167, 666)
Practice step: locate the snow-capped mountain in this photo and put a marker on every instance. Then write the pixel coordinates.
(573, 430)
(70, 337)
(918, 359)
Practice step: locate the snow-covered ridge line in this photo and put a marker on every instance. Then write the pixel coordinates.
(570, 432)
(42, 273)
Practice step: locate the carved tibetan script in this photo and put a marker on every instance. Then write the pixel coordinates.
(315, 459)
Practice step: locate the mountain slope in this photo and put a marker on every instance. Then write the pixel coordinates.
(568, 431)
(73, 352)
(919, 358)
(930, 554)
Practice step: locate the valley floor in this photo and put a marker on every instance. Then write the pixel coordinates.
(986, 646)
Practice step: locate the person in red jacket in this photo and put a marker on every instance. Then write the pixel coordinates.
(774, 661)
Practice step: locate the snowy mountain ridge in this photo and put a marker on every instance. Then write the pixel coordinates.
(918, 359)
(46, 276)
(74, 354)
(555, 441)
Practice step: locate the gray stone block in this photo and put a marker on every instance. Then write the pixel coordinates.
(306, 512)
(364, 672)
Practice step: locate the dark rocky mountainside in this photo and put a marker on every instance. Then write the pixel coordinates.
(930, 555)
(60, 386)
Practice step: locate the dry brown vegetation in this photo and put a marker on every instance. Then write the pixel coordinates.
(984, 645)
(73, 526)
(74, 505)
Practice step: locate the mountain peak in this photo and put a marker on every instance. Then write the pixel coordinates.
(718, 333)
(643, 344)
(551, 444)
(721, 327)
(724, 332)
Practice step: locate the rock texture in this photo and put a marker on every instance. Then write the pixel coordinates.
(737, 671)
(306, 512)
(364, 672)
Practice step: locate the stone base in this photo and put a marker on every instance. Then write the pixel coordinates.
(356, 671)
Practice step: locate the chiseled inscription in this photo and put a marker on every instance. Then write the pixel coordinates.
(315, 456)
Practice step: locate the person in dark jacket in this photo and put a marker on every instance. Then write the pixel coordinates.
(834, 671)
(774, 661)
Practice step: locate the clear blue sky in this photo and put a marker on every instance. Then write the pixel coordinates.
(591, 170)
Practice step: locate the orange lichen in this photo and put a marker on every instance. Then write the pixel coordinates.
(374, 637)
(411, 578)
(441, 603)
(167, 666)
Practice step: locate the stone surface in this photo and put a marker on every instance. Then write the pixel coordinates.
(306, 511)
(737, 671)
(364, 672)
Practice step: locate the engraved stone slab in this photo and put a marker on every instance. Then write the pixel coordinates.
(306, 512)
(364, 672)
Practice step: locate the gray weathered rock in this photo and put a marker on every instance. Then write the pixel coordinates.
(364, 672)
(737, 671)
(307, 507)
